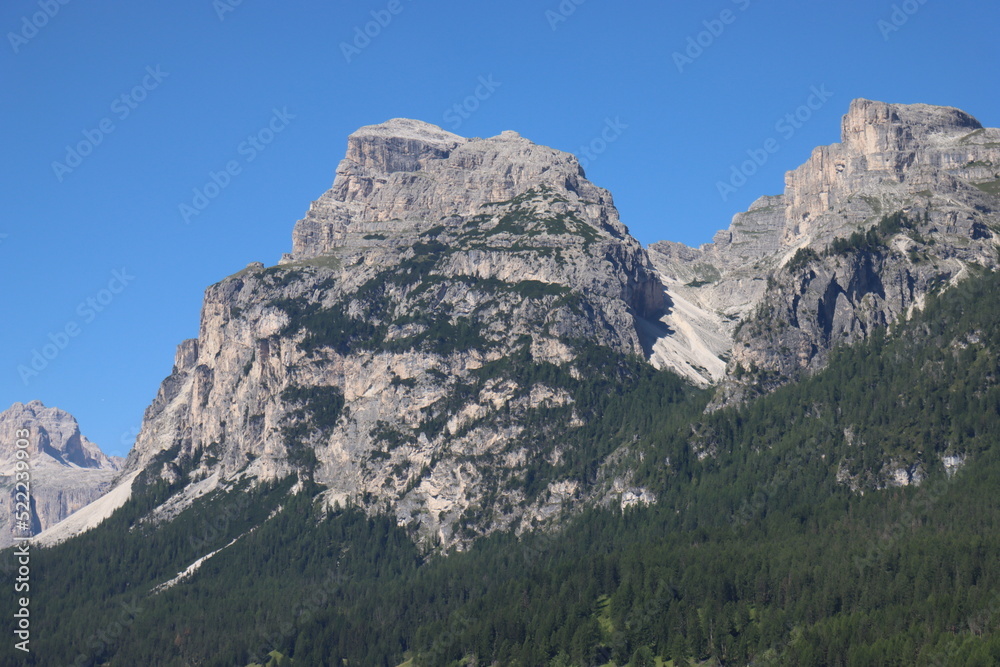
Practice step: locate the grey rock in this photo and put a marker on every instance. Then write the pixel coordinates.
(67, 471)
(433, 258)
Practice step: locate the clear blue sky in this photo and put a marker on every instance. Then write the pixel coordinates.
(218, 81)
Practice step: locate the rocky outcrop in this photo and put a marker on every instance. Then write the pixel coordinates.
(714, 287)
(408, 176)
(780, 310)
(67, 471)
(889, 154)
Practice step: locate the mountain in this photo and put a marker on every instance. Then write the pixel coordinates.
(468, 420)
(864, 232)
(780, 535)
(67, 471)
(422, 344)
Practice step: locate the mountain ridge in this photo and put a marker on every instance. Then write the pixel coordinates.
(414, 283)
(779, 535)
(930, 164)
(412, 279)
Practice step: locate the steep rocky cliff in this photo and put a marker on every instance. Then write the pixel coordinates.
(905, 205)
(67, 471)
(439, 298)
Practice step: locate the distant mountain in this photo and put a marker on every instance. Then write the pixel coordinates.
(67, 470)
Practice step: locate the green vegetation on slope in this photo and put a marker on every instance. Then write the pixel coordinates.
(875, 239)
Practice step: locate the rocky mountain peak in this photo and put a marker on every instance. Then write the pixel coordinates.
(871, 127)
(55, 439)
(442, 293)
(934, 170)
(445, 292)
(68, 471)
(400, 144)
(405, 176)
(887, 153)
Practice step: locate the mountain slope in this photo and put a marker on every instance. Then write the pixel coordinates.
(454, 360)
(447, 293)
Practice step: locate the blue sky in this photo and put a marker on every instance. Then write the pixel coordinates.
(153, 98)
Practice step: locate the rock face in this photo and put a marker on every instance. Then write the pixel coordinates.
(399, 351)
(67, 470)
(407, 176)
(931, 173)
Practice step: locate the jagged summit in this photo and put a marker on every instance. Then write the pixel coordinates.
(405, 176)
(396, 145)
(422, 132)
(68, 471)
(871, 126)
(888, 153)
(55, 439)
(442, 285)
(408, 128)
(396, 355)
